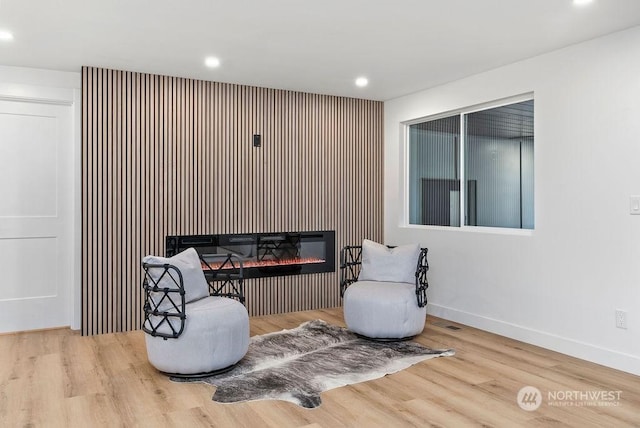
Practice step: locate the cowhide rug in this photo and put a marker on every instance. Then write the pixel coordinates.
(297, 365)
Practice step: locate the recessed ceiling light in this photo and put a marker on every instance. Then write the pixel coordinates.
(212, 62)
(362, 82)
(5, 35)
(581, 2)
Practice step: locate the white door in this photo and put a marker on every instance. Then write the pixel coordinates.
(36, 225)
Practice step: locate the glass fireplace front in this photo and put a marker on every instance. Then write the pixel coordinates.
(264, 254)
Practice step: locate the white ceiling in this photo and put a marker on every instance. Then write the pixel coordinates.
(317, 46)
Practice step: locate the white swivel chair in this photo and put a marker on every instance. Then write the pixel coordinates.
(384, 290)
(188, 332)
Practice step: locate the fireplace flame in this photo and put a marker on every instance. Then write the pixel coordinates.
(266, 263)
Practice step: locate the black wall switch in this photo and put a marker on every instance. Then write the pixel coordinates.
(256, 140)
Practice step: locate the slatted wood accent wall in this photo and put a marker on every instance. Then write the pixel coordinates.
(170, 156)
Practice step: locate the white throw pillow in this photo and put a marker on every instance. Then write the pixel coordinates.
(380, 263)
(188, 262)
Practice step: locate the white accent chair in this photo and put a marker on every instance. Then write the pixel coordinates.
(189, 333)
(384, 290)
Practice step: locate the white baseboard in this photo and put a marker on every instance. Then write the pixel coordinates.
(585, 351)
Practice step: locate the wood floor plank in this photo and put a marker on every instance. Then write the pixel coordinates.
(435, 414)
(58, 378)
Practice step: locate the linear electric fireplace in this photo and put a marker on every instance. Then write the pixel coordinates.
(264, 254)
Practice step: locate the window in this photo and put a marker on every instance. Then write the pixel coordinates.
(489, 151)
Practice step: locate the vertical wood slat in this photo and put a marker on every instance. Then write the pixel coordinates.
(167, 156)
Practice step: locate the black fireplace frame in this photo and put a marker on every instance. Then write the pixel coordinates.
(269, 243)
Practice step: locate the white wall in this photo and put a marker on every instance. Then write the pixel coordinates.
(64, 88)
(559, 286)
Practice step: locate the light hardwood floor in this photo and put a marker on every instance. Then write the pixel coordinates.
(58, 378)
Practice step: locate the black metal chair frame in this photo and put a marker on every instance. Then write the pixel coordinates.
(154, 318)
(351, 262)
(225, 281)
